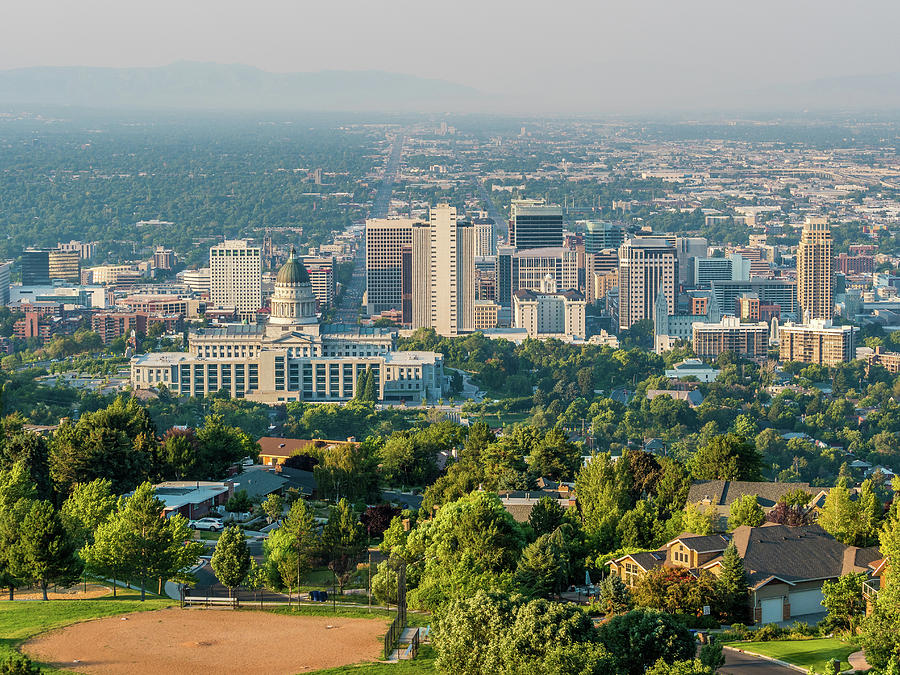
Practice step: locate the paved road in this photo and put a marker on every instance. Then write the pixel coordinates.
(737, 663)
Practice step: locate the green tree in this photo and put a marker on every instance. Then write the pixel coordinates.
(107, 556)
(546, 515)
(544, 566)
(727, 457)
(745, 511)
(231, 559)
(639, 527)
(89, 505)
(641, 637)
(220, 447)
(274, 507)
(17, 491)
(699, 522)
(239, 502)
(18, 664)
(840, 516)
(844, 600)
(554, 457)
(881, 630)
(613, 595)
(684, 667)
(47, 549)
(343, 542)
(731, 585)
(289, 549)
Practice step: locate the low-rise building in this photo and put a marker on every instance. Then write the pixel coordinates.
(548, 313)
(693, 368)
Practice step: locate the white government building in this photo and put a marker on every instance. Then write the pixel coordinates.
(292, 357)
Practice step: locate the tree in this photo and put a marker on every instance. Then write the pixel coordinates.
(840, 517)
(89, 505)
(711, 655)
(289, 549)
(274, 507)
(343, 542)
(231, 559)
(639, 527)
(239, 502)
(546, 515)
(141, 543)
(675, 590)
(731, 585)
(47, 550)
(613, 595)
(745, 511)
(180, 450)
(467, 635)
(554, 457)
(881, 630)
(641, 637)
(727, 457)
(603, 490)
(786, 514)
(376, 519)
(685, 667)
(220, 446)
(699, 522)
(844, 600)
(18, 664)
(106, 556)
(16, 494)
(544, 566)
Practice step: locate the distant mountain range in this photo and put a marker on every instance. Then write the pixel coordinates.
(192, 85)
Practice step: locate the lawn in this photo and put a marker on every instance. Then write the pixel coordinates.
(813, 653)
(423, 663)
(20, 621)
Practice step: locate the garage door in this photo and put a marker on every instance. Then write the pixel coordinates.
(772, 610)
(806, 602)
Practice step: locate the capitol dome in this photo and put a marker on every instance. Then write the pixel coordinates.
(292, 272)
(293, 304)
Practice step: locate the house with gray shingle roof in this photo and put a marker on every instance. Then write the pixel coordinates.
(720, 494)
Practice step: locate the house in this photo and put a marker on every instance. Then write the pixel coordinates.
(259, 483)
(190, 498)
(275, 450)
(519, 503)
(786, 566)
(722, 493)
(693, 397)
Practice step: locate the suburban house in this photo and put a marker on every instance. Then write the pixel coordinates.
(519, 503)
(693, 368)
(692, 396)
(190, 498)
(275, 450)
(720, 494)
(259, 483)
(786, 566)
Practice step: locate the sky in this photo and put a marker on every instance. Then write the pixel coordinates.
(624, 54)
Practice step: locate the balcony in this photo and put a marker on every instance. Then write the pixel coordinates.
(871, 588)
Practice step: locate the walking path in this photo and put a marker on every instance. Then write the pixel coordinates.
(858, 661)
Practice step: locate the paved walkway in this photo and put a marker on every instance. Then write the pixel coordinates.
(858, 661)
(741, 663)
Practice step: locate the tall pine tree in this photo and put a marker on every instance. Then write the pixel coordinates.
(732, 585)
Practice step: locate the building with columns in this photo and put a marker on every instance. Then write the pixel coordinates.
(292, 357)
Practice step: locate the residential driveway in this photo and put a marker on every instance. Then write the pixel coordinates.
(737, 663)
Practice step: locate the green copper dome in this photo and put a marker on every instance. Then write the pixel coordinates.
(293, 272)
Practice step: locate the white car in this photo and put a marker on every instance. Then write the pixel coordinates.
(211, 524)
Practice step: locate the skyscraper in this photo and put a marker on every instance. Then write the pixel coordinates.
(535, 224)
(235, 278)
(5, 268)
(646, 266)
(599, 235)
(485, 241)
(35, 267)
(687, 249)
(64, 265)
(385, 239)
(443, 273)
(815, 270)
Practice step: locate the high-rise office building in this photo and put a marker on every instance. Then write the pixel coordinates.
(443, 273)
(815, 270)
(35, 267)
(164, 258)
(86, 249)
(688, 248)
(235, 278)
(534, 264)
(647, 266)
(507, 278)
(5, 269)
(321, 274)
(385, 239)
(600, 235)
(535, 224)
(64, 265)
(485, 239)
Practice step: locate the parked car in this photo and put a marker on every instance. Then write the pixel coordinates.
(211, 524)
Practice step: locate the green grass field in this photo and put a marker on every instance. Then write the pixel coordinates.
(22, 620)
(423, 663)
(813, 653)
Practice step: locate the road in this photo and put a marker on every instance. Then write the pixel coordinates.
(500, 225)
(347, 310)
(737, 663)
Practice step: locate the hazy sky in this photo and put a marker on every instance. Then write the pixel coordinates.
(639, 52)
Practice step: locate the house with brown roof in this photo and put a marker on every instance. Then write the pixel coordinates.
(786, 566)
(274, 451)
(878, 573)
(720, 494)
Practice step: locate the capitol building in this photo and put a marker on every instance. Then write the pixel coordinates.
(292, 357)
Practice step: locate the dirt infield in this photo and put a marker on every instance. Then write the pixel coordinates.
(191, 641)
